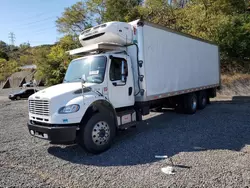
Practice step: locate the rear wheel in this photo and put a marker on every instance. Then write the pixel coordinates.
(98, 134)
(18, 98)
(202, 100)
(190, 103)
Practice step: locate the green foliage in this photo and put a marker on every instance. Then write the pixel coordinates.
(120, 10)
(159, 12)
(4, 47)
(221, 21)
(74, 19)
(7, 68)
(96, 9)
(24, 46)
(234, 38)
(4, 55)
(83, 15)
(40, 59)
(52, 62)
(11, 58)
(69, 42)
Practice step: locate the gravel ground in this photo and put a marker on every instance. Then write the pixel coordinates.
(208, 149)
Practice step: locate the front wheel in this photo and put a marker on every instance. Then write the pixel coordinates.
(98, 134)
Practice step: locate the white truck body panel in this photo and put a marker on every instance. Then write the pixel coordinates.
(173, 62)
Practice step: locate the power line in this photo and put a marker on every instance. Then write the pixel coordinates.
(41, 41)
(43, 29)
(38, 21)
(34, 22)
(38, 32)
(28, 18)
(37, 28)
(37, 15)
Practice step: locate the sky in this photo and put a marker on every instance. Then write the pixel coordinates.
(31, 21)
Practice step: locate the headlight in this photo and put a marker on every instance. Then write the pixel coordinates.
(69, 109)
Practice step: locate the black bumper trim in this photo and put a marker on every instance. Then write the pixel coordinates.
(55, 133)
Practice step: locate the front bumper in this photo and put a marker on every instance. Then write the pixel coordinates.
(11, 97)
(53, 133)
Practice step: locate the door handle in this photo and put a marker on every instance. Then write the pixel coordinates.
(130, 89)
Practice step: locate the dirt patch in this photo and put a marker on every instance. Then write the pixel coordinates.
(235, 85)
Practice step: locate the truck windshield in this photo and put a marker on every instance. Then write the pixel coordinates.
(92, 68)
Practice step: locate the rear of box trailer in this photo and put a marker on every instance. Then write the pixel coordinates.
(175, 63)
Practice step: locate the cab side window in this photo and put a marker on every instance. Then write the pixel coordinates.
(115, 72)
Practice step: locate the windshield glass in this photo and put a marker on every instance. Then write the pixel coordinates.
(92, 68)
(21, 91)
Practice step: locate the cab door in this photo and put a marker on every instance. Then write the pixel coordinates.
(120, 81)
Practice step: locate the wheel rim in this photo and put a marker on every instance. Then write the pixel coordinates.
(100, 133)
(194, 105)
(18, 97)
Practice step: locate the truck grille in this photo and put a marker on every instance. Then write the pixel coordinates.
(39, 107)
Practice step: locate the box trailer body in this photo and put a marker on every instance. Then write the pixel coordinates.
(124, 70)
(173, 63)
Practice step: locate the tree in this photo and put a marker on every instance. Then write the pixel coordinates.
(118, 10)
(178, 3)
(26, 60)
(69, 42)
(74, 19)
(4, 47)
(7, 68)
(4, 55)
(55, 59)
(159, 12)
(234, 38)
(24, 46)
(97, 9)
(83, 15)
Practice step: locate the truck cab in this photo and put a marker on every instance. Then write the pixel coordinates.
(96, 96)
(108, 74)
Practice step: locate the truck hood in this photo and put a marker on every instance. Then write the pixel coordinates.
(59, 89)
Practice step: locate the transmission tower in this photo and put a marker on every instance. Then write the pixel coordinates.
(12, 38)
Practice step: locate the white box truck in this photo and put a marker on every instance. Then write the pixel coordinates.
(123, 71)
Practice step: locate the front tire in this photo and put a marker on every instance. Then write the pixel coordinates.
(98, 134)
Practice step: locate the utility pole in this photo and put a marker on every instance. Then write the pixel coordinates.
(12, 38)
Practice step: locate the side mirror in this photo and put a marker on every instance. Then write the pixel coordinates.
(83, 78)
